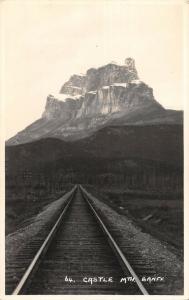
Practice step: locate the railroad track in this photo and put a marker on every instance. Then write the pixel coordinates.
(78, 256)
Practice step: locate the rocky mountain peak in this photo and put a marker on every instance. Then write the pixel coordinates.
(130, 63)
(102, 91)
(103, 76)
(110, 94)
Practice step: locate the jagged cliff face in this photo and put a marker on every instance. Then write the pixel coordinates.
(104, 91)
(88, 102)
(58, 109)
(106, 100)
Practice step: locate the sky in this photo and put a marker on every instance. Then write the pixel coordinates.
(45, 42)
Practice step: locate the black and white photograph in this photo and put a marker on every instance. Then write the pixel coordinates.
(93, 104)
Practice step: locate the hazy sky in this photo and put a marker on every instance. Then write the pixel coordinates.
(45, 42)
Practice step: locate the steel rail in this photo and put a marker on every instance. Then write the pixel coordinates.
(43, 249)
(124, 262)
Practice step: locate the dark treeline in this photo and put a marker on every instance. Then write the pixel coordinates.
(132, 173)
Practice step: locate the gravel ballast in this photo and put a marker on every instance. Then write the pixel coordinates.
(161, 261)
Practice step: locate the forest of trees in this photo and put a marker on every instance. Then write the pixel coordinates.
(139, 175)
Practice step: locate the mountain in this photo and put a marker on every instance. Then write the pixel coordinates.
(110, 95)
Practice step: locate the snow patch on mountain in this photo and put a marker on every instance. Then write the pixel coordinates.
(63, 97)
